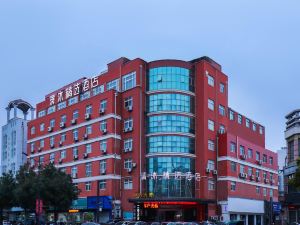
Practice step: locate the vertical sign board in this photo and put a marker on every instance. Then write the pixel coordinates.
(39, 206)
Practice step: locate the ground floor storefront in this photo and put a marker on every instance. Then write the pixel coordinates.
(171, 209)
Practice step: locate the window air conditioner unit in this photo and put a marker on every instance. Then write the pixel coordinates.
(32, 150)
(87, 116)
(102, 111)
(74, 175)
(103, 150)
(245, 175)
(85, 136)
(39, 149)
(60, 160)
(252, 177)
(103, 171)
(62, 125)
(60, 143)
(73, 121)
(75, 157)
(104, 131)
(266, 181)
(258, 179)
(85, 155)
(75, 139)
(242, 175)
(129, 170)
(207, 170)
(129, 108)
(215, 172)
(50, 129)
(133, 165)
(52, 146)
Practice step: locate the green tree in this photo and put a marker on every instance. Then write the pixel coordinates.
(7, 186)
(26, 189)
(56, 189)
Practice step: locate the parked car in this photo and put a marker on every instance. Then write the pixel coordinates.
(123, 222)
(237, 222)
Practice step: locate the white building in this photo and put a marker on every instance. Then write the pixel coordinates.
(14, 136)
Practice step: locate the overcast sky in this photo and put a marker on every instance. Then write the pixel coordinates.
(45, 45)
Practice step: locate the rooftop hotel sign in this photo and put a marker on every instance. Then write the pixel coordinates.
(74, 90)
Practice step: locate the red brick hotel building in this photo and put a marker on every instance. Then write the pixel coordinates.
(156, 141)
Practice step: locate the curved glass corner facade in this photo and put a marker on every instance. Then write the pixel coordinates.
(169, 143)
(170, 80)
(175, 78)
(172, 187)
(171, 102)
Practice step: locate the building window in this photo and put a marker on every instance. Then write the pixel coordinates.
(265, 192)
(231, 115)
(41, 160)
(211, 145)
(257, 190)
(75, 114)
(242, 169)
(75, 134)
(242, 150)
(98, 90)
(261, 131)
(32, 130)
(240, 119)
(52, 157)
(250, 171)
(210, 80)
(247, 123)
(232, 186)
(88, 186)
(52, 140)
(128, 145)
(102, 184)
(211, 104)
(102, 165)
(32, 146)
(103, 105)
(103, 126)
(63, 154)
(257, 156)
(253, 126)
(42, 127)
(221, 110)
(211, 125)
(103, 146)
(41, 113)
(61, 105)
(128, 183)
(211, 185)
(72, 101)
(63, 119)
(264, 175)
(211, 164)
(128, 164)
(42, 143)
(74, 171)
(128, 81)
(75, 151)
(52, 123)
(222, 129)
(51, 109)
(233, 166)
(88, 148)
(222, 87)
(271, 192)
(88, 129)
(257, 173)
(232, 147)
(250, 153)
(114, 84)
(85, 95)
(128, 103)
(88, 169)
(265, 158)
(128, 124)
(63, 137)
(89, 109)
(271, 160)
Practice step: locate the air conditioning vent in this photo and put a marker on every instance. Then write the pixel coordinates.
(73, 121)
(62, 125)
(87, 116)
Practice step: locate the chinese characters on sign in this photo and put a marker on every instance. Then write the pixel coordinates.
(74, 90)
(177, 175)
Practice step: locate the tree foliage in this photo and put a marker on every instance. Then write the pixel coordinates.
(295, 181)
(7, 186)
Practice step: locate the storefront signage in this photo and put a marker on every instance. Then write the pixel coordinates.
(177, 175)
(276, 207)
(74, 90)
(155, 205)
(73, 210)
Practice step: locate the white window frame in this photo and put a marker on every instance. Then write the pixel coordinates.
(129, 81)
(211, 104)
(128, 184)
(210, 80)
(211, 125)
(211, 145)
